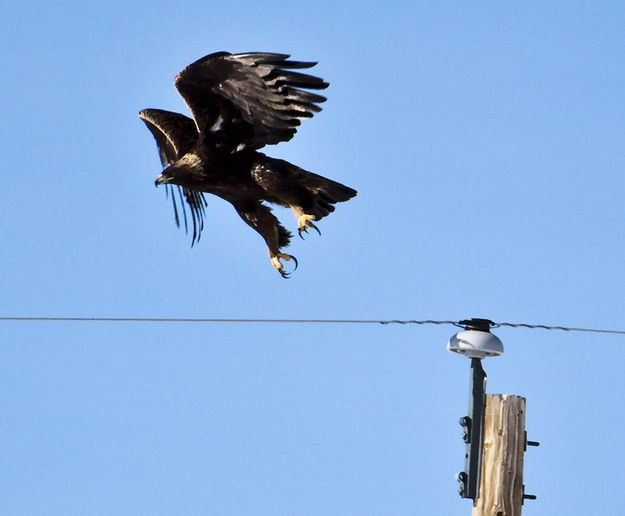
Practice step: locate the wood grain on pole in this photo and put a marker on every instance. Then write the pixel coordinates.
(501, 481)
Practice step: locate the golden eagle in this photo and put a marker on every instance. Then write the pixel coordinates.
(240, 103)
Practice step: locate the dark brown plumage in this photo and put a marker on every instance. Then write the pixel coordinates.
(239, 104)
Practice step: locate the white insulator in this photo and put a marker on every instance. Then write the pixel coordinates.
(475, 344)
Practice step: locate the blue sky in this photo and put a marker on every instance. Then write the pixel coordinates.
(486, 144)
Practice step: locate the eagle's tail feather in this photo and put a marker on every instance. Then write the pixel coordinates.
(325, 193)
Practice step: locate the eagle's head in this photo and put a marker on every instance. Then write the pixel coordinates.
(183, 172)
(163, 178)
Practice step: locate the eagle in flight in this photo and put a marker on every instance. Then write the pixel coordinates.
(240, 103)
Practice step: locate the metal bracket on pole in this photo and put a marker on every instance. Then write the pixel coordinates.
(475, 342)
(473, 426)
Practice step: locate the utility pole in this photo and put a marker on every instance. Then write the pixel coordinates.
(501, 481)
(494, 431)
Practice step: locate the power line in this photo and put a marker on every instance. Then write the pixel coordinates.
(558, 328)
(221, 320)
(299, 321)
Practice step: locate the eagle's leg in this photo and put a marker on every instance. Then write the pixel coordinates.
(259, 217)
(304, 221)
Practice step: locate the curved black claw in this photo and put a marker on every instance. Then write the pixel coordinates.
(280, 268)
(304, 229)
(287, 275)
(295, 262)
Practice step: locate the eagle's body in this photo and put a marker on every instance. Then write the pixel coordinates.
(239, 104)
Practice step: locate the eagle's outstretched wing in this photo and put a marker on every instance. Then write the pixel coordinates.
(176, 135)
(251, 99)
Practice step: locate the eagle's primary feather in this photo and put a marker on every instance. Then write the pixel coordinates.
(240, 103)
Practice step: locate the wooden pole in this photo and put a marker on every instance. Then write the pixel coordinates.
(501, 481)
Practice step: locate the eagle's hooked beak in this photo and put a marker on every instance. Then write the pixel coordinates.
(162, 179)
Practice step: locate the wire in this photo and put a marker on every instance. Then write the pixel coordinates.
(300, 321)
(557, 328)
(217, 320)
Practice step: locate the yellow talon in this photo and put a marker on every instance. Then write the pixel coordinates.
(304, 221)
(275, 261)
